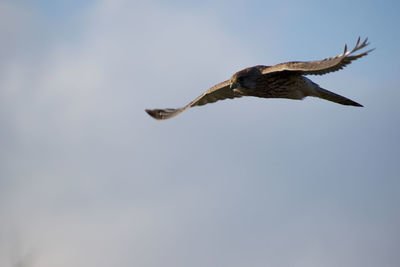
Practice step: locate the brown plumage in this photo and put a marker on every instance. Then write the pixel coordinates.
(283, 80)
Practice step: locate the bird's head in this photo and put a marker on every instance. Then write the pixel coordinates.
(245, 79)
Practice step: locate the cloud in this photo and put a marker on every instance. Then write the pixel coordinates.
(88, 179)
(73, 119)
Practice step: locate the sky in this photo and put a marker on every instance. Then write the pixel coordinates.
(87, 178)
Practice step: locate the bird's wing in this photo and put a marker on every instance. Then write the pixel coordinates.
(319, 67)
(217, 92)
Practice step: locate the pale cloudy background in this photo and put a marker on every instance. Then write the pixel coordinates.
(87, 178)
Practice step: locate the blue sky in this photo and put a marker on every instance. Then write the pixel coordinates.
(87, 178)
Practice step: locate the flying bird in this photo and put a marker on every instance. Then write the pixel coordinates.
(284, 80)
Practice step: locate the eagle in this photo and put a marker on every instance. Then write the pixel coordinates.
(284, 80)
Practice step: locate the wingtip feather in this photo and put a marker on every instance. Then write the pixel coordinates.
(152, 113)
(163, 114)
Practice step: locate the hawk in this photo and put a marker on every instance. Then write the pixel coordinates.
(284, 80)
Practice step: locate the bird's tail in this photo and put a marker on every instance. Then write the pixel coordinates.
(163, 114)
(328, 95)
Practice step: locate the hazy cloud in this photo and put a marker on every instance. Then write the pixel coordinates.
(88, 179)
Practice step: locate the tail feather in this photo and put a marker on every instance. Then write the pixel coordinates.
(328, 95)
(163, 114)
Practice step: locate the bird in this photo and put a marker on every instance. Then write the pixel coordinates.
(284, 80)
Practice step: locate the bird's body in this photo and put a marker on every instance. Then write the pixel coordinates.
(285, 80)
(275, 85)
(283, 84)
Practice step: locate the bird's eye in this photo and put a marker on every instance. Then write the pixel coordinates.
(240, 79)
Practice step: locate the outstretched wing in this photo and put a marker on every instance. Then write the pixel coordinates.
(217, 92)
(319, 67)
